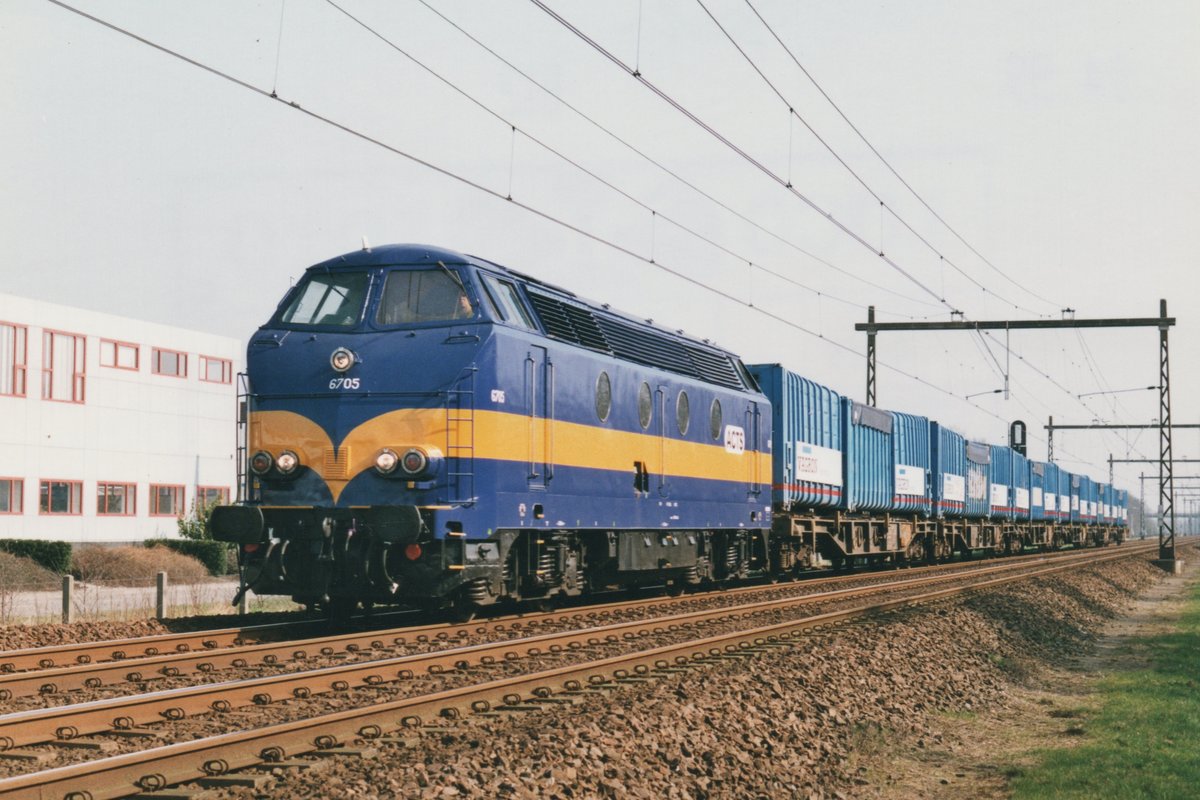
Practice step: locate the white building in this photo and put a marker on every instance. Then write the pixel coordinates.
(110, 427)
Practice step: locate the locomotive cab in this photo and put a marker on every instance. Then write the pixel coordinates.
(359, 424)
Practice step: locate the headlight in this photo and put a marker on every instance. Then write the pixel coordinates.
(414, 462)
(261, 462)
(386, 461)
(342, 359)
(287, 462)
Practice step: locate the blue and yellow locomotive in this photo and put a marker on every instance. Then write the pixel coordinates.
(425, 427)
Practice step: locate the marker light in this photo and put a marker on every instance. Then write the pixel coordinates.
(386, 461)
(414, 462)
(412, 552)
(341, 359)
(261, 462)
(287, 462)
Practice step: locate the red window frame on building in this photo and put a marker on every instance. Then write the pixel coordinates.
(15, 491)
(74, 497)
(226, 367)
(156, 362)
(20, 357)
(155, 506)
(207, 495)
(117, 346)
(103, 501)
(78, 368)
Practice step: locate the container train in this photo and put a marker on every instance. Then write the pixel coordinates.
(427, 428)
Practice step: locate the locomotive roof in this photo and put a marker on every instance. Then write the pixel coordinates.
(417, 254)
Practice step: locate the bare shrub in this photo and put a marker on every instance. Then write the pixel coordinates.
(136, 566)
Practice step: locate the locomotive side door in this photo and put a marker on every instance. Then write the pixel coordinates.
(661, 402)
(753, 434)
(539, 389)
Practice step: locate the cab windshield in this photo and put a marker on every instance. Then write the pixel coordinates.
(423, 295)
(332, 298)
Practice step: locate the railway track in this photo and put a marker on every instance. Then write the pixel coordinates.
(601, 656)
(79, 665)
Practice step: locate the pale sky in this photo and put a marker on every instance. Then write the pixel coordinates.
(1058, 139)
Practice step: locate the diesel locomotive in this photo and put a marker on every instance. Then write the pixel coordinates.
(427, 428)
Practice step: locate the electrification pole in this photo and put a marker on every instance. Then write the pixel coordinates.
(1166, 524)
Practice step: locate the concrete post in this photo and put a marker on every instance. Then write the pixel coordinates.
(160, 605)
(68, 606)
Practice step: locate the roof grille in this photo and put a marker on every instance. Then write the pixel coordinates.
(715, 367)
(624, 340)
(569, 323)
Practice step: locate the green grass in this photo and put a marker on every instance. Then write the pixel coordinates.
(1142, 740)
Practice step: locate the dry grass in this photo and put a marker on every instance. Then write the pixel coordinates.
(25, 575)
(136, 566)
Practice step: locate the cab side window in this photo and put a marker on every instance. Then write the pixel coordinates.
(506, 302)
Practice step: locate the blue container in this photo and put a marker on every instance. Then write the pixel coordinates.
(806, 438)
(1081, 491)
(979, 459)
(1039, 479)
(1066, 487)
(1050, 492)
(1090, 491)
(912, 464)
(869, 475)
(1020, 487)
(1104, 501)
(949, 480)
(1077, 482)
(1000, 491)
(1123, 508)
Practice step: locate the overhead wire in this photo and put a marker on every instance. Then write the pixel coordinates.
(590, 173)
(1102, 382)
(889, 166)
(662, 167)
(733, 146)
(883, 205)
(448, 173)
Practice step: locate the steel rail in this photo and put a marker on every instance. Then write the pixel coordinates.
(229, 644)
(127, 649)
(91, 675)
(70, 721)
(156, 768)
(141, 646)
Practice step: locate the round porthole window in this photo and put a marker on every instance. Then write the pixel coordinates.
(645, 405)
(603, 397)
(714, 419)
(683, 413)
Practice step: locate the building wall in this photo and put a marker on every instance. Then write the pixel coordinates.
(120, 425)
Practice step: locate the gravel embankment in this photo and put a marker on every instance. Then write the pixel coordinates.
(778, 725)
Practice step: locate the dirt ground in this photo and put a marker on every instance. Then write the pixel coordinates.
(973, 756)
